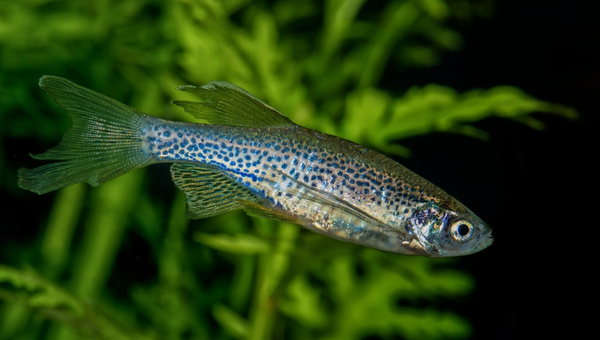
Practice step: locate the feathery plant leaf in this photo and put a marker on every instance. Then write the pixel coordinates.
(435, 108)
(52, 302)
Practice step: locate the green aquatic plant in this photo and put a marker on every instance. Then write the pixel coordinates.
(122, 261)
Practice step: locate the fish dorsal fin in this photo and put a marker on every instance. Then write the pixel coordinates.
(208, 192)
(224, 103)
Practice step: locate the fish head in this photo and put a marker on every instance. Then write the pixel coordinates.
(448, 231)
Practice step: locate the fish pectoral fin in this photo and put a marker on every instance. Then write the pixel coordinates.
(258, 210)
(324, 198)
(225, 103)
(208, 191)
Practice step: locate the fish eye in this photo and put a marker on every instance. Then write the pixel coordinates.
(461, 230)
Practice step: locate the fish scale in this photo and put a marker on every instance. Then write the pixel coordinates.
(252, 157)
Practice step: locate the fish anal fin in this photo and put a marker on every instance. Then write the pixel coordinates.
(208, 191)
(224, 103)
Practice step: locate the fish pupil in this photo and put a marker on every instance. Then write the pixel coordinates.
(463, 230)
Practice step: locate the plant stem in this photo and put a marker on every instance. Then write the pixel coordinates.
(272, 267)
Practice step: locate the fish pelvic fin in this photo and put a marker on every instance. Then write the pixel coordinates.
(224, 103)
(209, 192)
(105, 140)
(258, 210)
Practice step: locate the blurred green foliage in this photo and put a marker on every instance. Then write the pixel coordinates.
(231, 276)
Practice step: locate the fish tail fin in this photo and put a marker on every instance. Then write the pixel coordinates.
(105, 140)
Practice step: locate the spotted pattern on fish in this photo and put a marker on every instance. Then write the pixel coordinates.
(252, 157)
(270, 166)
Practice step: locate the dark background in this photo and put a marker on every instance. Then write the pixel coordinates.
(537, 189)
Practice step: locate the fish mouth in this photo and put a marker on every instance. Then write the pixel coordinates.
(490, 236)
(488, 239)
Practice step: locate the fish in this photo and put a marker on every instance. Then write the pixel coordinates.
(250, 156)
